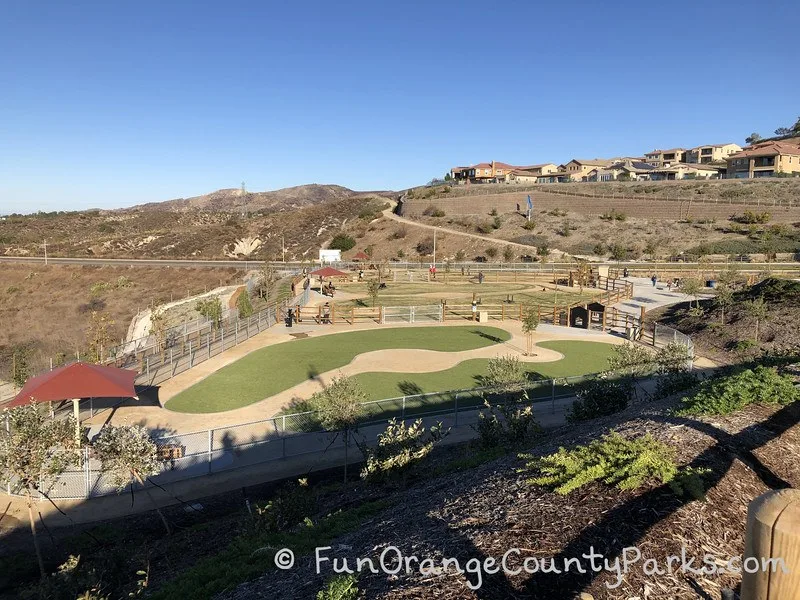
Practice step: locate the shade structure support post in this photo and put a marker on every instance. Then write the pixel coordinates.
(76, 411)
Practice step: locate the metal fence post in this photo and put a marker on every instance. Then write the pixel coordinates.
(210, 448)
(455, 419)
(147, 365)
(553, 393)
(403, 410)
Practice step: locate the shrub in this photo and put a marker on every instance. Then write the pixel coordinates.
(726, 395)
(340, 587)
(493, 212)
(292, 503)
(529, 225)
(460, 255)
(600, 397)
(343, 242)
(625, 463)
(211, 309)
(689, 482)
(432, 211)
(508, 254)
(400, 447)
(505, 372)
(566, 229)
(425, 246)
(244, 305)
(399, 233)
(491, 252)
(557, 212)
(672, 383)
(514, 425)
(750, 217)
(484, 228)
(496, 223)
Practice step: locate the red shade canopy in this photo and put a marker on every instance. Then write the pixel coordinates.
(361, 256)
(328, 272)
(78, 380)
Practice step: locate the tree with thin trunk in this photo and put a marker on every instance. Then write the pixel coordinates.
(268, 276)
(692, 288)
(339, 406)
(530, 321)
(98, 336)
(128, 455)
(159, 329)
(373, 288)
(34, 450)
(724, 300)
(758, 310)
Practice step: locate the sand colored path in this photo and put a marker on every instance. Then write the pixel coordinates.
(397, 360)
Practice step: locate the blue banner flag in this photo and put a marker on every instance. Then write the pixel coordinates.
(530, 204)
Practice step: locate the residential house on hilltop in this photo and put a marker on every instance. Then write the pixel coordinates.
(531, 173)
(624, 170)
(482, 172)
(577, 169)
(715, 153)
(686, 171)
(664, 158)
(764, 160)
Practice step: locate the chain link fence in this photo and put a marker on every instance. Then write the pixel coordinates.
(189, 455)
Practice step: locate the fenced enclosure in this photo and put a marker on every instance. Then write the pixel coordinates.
(200, 453)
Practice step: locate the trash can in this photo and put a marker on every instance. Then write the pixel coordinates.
(289, 317)
(711, 283)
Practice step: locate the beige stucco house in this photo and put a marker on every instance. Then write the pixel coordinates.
(764, 160)
(715, 153)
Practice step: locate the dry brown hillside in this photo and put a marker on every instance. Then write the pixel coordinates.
(287, 199)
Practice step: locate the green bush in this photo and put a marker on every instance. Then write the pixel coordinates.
(505, 425)
(244, 305)
(399, 449)
(343, 242)
(293, 502)
(600, 397)
(432, 211)
(496, 223)
(726, 395)
(689, 482)
(484, 228)
(625, 463)
(529, 225)
(340, 587)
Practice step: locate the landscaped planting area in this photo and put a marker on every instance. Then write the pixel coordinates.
(273, 369)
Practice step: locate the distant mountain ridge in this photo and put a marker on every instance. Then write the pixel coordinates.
(232, 200)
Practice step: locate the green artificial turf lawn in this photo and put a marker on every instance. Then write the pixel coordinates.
(271, 370)
(580, 358)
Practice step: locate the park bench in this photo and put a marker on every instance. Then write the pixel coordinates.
(171, 452)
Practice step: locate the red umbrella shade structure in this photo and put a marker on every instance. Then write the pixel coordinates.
(76, 381)
(328, 272)
(361, 256)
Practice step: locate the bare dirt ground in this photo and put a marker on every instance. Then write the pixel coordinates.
(47, 309)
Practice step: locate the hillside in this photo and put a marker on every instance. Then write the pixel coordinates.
(186, 234)
(286, 199)
(734, 340)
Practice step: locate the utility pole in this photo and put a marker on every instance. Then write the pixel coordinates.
(283, 249)
(434, 248)
(244, 199)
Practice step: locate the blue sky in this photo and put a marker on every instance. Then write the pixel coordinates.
(107, 104)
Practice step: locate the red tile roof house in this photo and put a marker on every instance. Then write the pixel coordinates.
(764, 160)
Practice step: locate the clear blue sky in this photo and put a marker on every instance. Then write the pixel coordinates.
(107, 104)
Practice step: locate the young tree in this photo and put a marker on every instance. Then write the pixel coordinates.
(20, 369)
(34, 451)
(339, 406)
(211, 309)
(98, 336)
(267, 276)
(582, 273)
(243, 305)
(373, 288)
(129, 455)
(692, 289)
(491, 252)
(530, 321)
(758, 310)
(158, 328)
(508, 254)
(723, 300)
